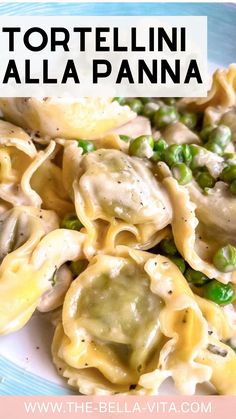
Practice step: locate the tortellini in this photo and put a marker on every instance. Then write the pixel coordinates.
(117, 198)
(54, 196)
(222, 93)
(17, 226)
(63, 117)
(198, 233)
(34, 248)
(130, 321)
(116, 318)
(17, 152)
(23, 171)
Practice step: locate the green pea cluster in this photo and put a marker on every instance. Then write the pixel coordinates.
(205, 180)
(212, 289)
(179, 157)
(228, 174)
(176, 156)
(216, 139)
(161, 111)
(164, 111)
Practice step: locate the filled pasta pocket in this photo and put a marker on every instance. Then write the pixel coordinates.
(130, 321)
(117, 198)
(31, 272)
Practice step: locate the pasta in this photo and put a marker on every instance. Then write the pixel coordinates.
(124, 208)
(30, 260)
(57, 117)
(197, 242)
(106, 331)
(118, 220)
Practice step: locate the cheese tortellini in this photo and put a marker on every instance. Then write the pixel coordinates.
(117, 199)
(130, 321)
(197, 233)
(69, 118)
(32, 250)
(120, 324)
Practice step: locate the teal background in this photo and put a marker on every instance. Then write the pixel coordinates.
(221, 18)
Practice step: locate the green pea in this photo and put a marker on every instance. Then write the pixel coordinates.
(168, 247)
(189, 119)
(145, 100)
(233, 187)
(86, 145)
(160, 145)
(164, 116)
(194, 150)
(149, 109)
(218, 139)
(197, 278)
(221, 294)
(78, 266)
(170, 101)
(205, 180)
(230, 158)
(173, 154)
(187, 154)
(141, 146)
(120, 100)
(135, 105)
(221, 136)
(205, 132)
(180, 263)
(125, 138)
(182, 173)
(214, 148)
(71, 222)
(228, 174)
(225, 258)
(158, 151)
